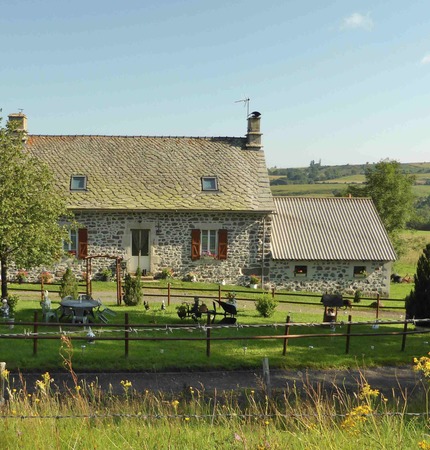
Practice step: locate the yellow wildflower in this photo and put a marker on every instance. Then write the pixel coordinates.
(367, 392)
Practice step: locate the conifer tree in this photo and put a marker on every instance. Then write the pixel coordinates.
(418, 301)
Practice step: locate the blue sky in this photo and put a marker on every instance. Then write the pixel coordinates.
(337, 81)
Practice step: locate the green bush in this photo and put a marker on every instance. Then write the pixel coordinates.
(266, 305)
(69, 284)
(357, 296)
(12, 301)
(106, 274)
(133, 289)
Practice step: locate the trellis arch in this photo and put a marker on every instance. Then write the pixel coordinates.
(118, 270)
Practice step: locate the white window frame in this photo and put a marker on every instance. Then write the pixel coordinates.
(208, 242)
(71, 246)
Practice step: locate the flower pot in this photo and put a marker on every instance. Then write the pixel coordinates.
(254, 286)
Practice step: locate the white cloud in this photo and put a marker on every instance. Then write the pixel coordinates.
(357, 20)
(426, 59)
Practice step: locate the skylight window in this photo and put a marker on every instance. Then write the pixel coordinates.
(78, 183)
(209, 184)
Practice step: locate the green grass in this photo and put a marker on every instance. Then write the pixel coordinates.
(300, 417)
(243, 352)
(328, 189)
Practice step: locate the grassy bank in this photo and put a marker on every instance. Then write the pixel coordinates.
(85, 417)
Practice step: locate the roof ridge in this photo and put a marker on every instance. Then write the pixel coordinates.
(136, 136)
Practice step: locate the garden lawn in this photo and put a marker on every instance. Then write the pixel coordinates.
(174, 350)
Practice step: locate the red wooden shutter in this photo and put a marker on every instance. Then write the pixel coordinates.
(82, 243)
(195, 244)
(222, 244)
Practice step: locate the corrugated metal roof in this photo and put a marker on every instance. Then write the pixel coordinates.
(157, 173)
(310, 229)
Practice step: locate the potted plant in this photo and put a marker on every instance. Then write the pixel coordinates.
(254, 280)
(12, 301)
(207, 255)
(46, 277)
(191, 277)
(21, 276)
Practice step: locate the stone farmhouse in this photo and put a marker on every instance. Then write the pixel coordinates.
(195, 205)
(202, 207)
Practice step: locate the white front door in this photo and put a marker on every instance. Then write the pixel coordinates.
(139, 250)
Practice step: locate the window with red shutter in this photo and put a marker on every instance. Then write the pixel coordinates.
(82, 243)
(222, 244)
(195, 244)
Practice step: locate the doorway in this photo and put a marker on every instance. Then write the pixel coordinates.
(139, 250)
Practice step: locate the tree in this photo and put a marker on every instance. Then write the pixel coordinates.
(30, 207)
(391, 191)
(418, 301)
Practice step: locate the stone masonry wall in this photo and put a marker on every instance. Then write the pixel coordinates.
(333, 276)
(170, 243)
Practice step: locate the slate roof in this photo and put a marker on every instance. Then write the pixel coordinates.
(310, 229)
(157, 173)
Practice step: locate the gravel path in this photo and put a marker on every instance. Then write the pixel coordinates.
(389, 380)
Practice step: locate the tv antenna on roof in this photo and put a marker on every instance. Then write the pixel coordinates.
(245, 103)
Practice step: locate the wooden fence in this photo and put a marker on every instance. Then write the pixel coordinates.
(170, 292)
(129, 332)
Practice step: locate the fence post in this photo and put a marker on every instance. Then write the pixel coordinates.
(219, 292)
(2, 381)
(273, 292)
(348, 334)
(378, 298)
(126, 334)
(405, 328)
(36, 319)
(168, 294)
(287, 332)
(208, 336)
(266, 375)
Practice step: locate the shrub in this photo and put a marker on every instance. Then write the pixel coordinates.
(133, 289)
(357, 296)
(69, 284)
(190, 276)
(254, 279)
(12, 301)
(266, 305)
(166, 273)
(105, 274)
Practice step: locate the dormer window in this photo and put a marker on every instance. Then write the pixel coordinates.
(209, 184)
(78, 183)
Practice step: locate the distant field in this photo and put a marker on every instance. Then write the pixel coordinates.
(329, 189)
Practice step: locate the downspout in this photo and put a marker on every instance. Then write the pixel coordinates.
(262, 252)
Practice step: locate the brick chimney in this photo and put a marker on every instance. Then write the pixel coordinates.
(20, 121)
(253, 137)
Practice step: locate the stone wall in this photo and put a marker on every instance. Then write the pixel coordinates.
(332, 276)
(109, 233)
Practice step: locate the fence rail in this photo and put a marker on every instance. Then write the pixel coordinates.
(169, 292)
(130, 332)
